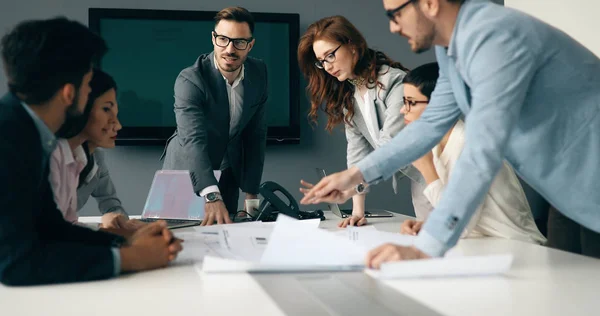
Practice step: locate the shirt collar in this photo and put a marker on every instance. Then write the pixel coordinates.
(237, 80)
(46, 135)
(72, 156)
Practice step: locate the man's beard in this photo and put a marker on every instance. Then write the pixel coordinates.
(74, 121)
(73, 109)
(232, 68)
(424, 42)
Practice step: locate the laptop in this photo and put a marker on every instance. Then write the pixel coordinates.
(335, 208)
(171, 198)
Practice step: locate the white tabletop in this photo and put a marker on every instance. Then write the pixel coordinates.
(542, 282)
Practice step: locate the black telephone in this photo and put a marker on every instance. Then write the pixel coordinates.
(272, 205)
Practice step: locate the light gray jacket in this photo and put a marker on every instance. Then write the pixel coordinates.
(99, 185)
(389, 121)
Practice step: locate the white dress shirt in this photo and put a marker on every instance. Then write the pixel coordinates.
(367, 109)
(504, 212)
(235, 93)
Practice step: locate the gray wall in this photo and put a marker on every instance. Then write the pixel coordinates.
(132, 168)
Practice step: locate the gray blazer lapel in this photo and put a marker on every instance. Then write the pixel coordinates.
(219, 92)
(379, 117)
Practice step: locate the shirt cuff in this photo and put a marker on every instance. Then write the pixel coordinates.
(429, 245)
(369, 171)
(209, 189)
(116, 260)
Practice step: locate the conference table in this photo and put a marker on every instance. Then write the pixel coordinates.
(541, 281)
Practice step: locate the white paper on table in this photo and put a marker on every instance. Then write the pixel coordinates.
(222, 265)
(347, 232)
(245, 242)
(294, 244)
(445, 267)
(197, 246)
(372, 238)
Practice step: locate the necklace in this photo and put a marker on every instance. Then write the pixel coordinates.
(357, 82)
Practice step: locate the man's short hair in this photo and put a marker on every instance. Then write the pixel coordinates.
(237, 14)
(41, 56)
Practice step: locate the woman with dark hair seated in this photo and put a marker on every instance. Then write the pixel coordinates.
(77, 167)
(503, 213)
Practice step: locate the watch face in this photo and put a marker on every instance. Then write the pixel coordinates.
(211, 196)
(360, 188)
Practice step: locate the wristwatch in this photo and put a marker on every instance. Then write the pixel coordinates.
(360, 188)
(213, 197)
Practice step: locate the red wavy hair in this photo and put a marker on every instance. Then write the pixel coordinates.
(325, 91)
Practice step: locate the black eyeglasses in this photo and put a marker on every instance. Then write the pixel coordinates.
(408, 103)
(238, 43)
(330, 58)
(391, 14)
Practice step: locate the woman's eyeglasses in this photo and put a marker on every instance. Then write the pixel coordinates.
(330, 58)
(408, 103)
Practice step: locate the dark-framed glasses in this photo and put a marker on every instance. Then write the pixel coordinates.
(330, 58)
(391, 14)
(408, 103)
(238, 43)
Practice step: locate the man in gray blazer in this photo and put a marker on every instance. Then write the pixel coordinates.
(220, 114)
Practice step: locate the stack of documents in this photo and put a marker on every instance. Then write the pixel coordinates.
(289, 245)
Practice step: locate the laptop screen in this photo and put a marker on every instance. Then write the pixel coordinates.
(333, 207)
(172, 196)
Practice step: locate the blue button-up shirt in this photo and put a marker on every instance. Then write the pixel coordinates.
(530, 94)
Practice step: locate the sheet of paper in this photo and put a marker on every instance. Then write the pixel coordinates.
(222, 265)
(445, 267)
(294, 244)
(197, 246)
(372, 238)
(245, 242)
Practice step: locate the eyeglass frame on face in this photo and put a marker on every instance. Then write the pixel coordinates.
(391, 14)
(408, 103)
(320, 63)
(232, 40)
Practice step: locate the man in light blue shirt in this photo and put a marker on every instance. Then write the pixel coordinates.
(530, 94)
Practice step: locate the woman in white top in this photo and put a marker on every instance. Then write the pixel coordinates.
(353, 85)
(503, 213)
